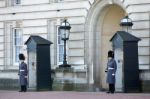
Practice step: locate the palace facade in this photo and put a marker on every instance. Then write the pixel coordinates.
(93, 24)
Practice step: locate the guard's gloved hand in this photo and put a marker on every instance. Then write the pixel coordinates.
(113, 74)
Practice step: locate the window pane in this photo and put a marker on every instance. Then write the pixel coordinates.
(60, 57)
(18, 1)
(18, 41)
(59, 40)
(17, 51)
(58, 31)
(61, 49)
(17, 44)
(17, 37)
(61, 52)
(58, 1)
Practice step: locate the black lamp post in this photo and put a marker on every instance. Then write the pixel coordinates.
(126, 24)
(64, 30)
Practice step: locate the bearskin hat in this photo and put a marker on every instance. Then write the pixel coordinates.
(111, 54)
(21, 56)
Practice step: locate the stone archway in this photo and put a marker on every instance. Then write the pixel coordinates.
(109, 26)
(102, 22)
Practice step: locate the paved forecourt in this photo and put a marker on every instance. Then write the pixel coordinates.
(71, 95)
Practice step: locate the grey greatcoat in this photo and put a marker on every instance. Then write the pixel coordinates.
(23, 74)
(111, 70)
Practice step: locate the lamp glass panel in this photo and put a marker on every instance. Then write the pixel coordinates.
(63, 34)
(67, 34)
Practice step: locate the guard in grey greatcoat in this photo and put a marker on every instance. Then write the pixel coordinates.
(22, 73)
(111, 70)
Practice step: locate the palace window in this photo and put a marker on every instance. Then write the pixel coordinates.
(17, 43)
(60, 48)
